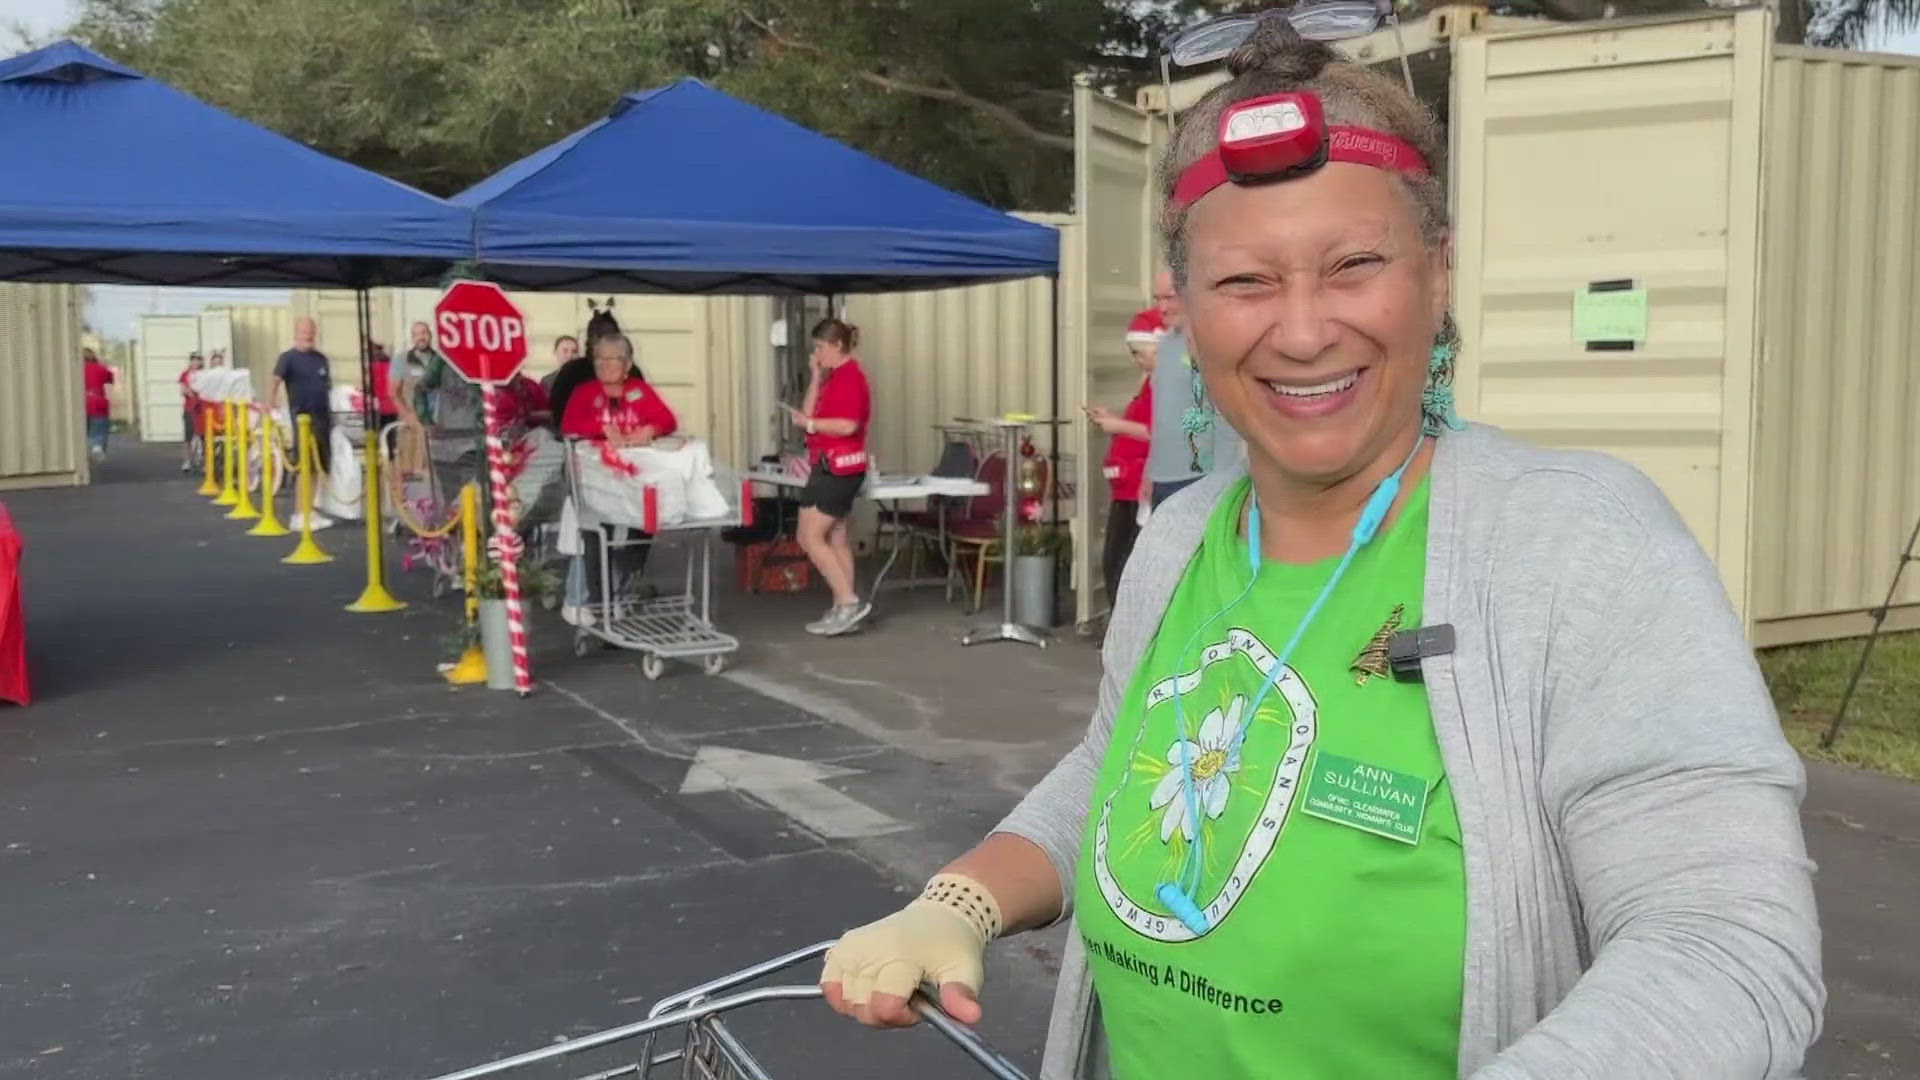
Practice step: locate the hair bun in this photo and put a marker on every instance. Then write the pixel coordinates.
(1275, 48)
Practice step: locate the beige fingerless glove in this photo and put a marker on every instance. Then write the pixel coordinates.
(938, 938)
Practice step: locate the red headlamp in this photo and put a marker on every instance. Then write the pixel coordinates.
(1279, 136)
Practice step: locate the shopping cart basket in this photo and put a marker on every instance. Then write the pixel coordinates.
(707, 1050)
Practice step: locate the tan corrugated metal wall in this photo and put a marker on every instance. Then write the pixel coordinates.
(980, 351)
(1838, 448)
(668, 332)
(1601, 152)
(42, 437)
(261, 332)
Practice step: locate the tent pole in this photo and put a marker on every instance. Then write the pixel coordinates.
(374, 598)
(1053, 407)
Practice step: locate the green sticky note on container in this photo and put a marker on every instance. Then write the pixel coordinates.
(1615, 315)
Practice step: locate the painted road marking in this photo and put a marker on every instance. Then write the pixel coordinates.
(793, 787)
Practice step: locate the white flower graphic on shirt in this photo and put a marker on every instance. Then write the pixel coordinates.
(1209, 765)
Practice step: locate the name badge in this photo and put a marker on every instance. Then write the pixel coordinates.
(851, 460)
(1111, 472)
(1366, 797)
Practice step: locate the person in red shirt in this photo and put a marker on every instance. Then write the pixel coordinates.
(190, 408)
(524, 406)
(1126, 464)
(621, 410)
(835, 413)
(97, 377)
(618, 406)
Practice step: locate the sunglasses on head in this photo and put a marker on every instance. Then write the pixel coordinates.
(1316, 20)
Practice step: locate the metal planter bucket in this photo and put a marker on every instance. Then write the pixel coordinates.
(496, 644)
(1033, 595)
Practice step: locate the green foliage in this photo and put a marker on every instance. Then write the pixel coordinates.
(537, 581)
(972, 94)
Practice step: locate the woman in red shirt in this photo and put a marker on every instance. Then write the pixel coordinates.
(621, 410)
(190, 407)
(835, 414)
(97, 377)
(1126, 470)
(618, 407)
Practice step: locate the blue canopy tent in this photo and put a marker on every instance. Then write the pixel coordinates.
(110, 177)
(684, 189)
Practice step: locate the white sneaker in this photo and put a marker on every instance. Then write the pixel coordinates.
(577, 616)
(840, 619)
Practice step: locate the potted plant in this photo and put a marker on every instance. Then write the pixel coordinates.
(1036, 555)
(536, 581)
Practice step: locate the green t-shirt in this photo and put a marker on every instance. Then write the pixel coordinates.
(1333, 953)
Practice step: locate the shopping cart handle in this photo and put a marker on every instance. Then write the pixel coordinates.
(692, 1005)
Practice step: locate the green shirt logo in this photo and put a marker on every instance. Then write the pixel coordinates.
(1162, 797)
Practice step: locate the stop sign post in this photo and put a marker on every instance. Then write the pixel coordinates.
(484, 338)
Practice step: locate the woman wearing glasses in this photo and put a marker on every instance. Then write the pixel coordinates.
(1419, 751)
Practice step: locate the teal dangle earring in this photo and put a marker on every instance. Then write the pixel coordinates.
(1436, 401)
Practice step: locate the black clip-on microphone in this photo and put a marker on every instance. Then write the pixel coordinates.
(1407, 648)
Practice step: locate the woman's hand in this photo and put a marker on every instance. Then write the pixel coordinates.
(800, 419)
(1102, 417)
(871, 973)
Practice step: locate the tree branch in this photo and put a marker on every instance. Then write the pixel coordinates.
(994, 111)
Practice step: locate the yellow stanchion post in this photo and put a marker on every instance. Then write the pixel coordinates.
(471, 668)
(209, 486)
(374, 598)
(244, 509)
(269, 523)
(230, 488)
(308, 552)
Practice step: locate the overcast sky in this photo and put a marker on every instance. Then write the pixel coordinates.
(114, 309)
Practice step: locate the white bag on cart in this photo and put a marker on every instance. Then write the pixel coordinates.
(339, 490)
(682, 478)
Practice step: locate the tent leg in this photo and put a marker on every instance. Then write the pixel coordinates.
(374, 598)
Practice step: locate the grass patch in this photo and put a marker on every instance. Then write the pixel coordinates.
(1882, 730)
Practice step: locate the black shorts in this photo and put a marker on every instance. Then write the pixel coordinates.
(832, 494)
(322, 438)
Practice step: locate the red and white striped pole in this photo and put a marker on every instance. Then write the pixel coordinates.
(506, 545)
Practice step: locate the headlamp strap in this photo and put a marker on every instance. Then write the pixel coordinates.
(1279, 136)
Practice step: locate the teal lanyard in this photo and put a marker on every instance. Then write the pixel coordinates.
(1178, 896)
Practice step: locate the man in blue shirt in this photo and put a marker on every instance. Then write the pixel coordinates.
(304, 371)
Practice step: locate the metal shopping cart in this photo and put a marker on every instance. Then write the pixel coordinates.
(705, 1049)
(426, 513)
(660, 627)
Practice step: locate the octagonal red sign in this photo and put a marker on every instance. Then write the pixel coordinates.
(480, 331)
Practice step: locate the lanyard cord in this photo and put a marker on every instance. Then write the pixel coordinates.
(1178, 896)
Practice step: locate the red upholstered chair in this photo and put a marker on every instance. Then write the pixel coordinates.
(980, 533)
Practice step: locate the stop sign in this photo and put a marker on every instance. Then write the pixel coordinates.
(481, 333)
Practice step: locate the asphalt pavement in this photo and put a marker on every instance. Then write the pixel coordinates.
(247, 834)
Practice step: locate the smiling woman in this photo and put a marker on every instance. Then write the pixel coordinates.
(1409, 705)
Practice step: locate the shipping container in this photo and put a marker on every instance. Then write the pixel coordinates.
(42, 396)
(1764, 197)
(257, 335)
(160, 355)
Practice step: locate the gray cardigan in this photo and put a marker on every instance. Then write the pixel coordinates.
(1640, 902)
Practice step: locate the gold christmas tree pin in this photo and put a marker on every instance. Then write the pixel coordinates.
(1372, 661)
